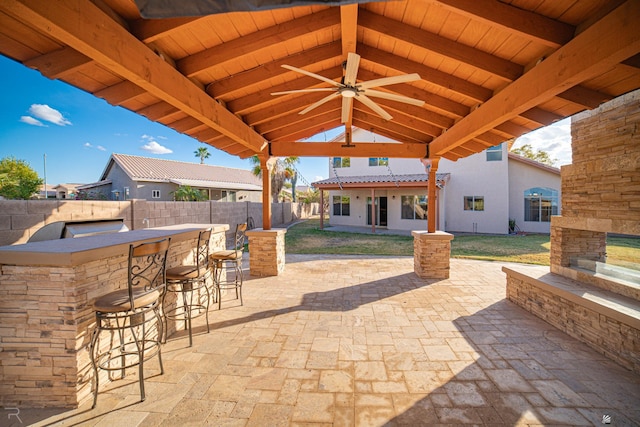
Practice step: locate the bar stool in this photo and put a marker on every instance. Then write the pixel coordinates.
(229, 260)
(134, 309)
(190, 282)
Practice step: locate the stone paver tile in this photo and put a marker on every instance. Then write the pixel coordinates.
(229, 387)
(292, 359)
(370, 371)
(508, 380)
(129, 418)
(314, 407)
(389, 387)
(266, 349)
(440, 352)
(322, 360)
(289, 392)
(335, 381)
(379, 338)
(344, 416)
(457, 416)
(566, 416)
(464, 393)
(466, 371)
(267, 379)
(376, 416)
(408, 345)
(558, 394)
(423, 381)
(325, 344)
(270, 415)
(189, 412)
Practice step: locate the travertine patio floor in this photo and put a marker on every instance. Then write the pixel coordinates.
(362, 341)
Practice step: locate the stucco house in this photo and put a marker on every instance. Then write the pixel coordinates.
(477, 194)
(136, 177)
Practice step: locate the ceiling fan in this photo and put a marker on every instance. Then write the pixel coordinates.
(349, 90)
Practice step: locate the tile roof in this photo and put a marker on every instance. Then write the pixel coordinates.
(140, 168)
(381, 179)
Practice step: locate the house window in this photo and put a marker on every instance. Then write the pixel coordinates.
(127, 195)
(494, 154)
(414, 207)
(378, 161)
(341, 162)
(473, 203)
(155, 194)
(540, 204)
(341, 205)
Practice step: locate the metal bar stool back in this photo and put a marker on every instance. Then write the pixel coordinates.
(229, 261)
(189, 283)
(132, 316)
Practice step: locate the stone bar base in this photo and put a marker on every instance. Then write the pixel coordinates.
(266, 251)
(46, 317)
(431, 253)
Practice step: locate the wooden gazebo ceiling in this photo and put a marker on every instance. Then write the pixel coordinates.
(490, 70)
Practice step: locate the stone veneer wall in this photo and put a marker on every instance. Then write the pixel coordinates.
(46, 320)
(267, 252)
(20, 219)
(431, 253)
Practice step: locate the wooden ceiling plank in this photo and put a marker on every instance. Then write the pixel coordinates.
(530, 25)
(300, 125)
(437, 77)
(599, 48)
(294, 117)
(273, 69)
(119, 52)
(120, 92)
(386, 132)
(392, 125)
(185, 125)
(262, 39)
(150, 30)
(284, 108)
(348, 28)
(59, 63)
(443, 46)
(336, 149)
(312, 130)
(584, 96)
(512, 129)
(205, 135)
(403, 118)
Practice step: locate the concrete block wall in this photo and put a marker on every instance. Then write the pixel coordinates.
(20, 219)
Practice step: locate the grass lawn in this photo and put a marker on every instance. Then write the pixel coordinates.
(307, 238)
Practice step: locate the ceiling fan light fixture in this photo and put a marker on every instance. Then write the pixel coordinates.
(348, 92)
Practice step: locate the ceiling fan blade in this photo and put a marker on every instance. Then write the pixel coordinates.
(319, 103)
(320, 89)
(353, 62)
(347, 104)
(394, 97)
(375, 107)
(310, 74)
(390, 80)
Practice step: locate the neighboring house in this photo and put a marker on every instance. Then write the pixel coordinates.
(49, 194)
(66, 191)
(135, 177)
(477, 194)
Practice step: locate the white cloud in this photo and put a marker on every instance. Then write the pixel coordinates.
(88, 145)
(44, 112)
(31, 121)
(101, 148)
(152, 146)
(554, 139)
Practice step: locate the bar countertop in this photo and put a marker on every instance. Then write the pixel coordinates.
(70, 252)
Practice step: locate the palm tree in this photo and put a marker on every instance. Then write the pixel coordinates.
(278, 175)
(203, 153)
(291, 173)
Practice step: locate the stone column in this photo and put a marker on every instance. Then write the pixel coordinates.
(431, 253)
(266, 251)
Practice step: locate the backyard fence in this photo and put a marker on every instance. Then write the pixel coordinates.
(20, 219)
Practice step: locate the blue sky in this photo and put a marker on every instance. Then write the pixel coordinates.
(78, 132)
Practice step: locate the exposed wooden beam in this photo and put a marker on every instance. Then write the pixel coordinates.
(114, 48)
(335, 149)
(301, 125)
(120, 93)
(596, 50)
(586, 97)
(186, 124)
(59, 63)
(259, 40)
(441, 45)
(375, 121)
(311, 130)
(348, 28)
(293, 117)
(150, 30)
(412, 127)
(247, 79)
(386, 132)
(528, 24)
(437, 77)
(543, 117)
(157, 111)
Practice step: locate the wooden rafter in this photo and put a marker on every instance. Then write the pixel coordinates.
(118, 51)
(606, 43)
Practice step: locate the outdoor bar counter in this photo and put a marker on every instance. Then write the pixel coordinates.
(46, 294)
